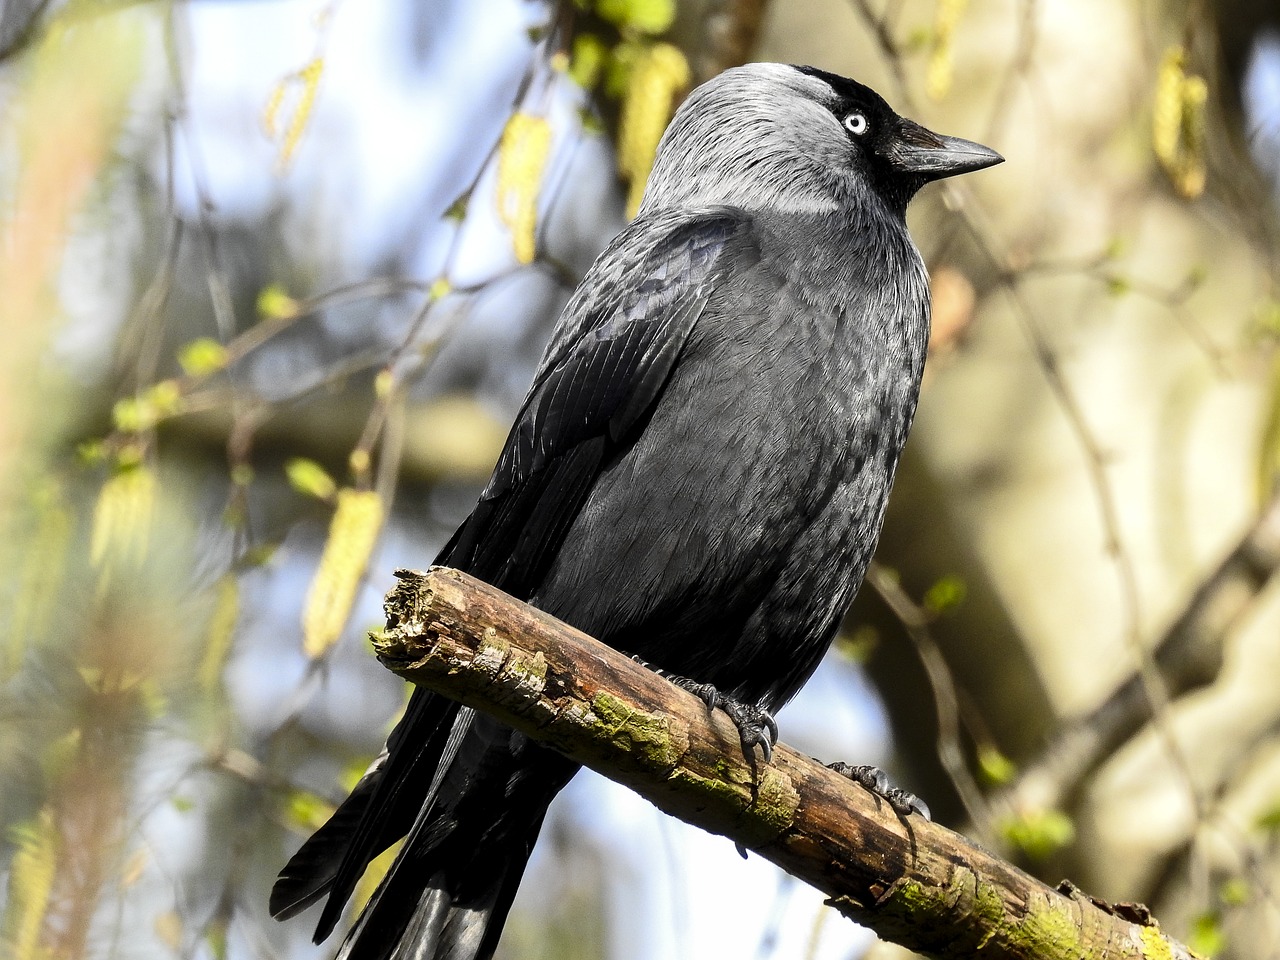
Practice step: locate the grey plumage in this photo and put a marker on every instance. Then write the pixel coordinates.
(698, 475)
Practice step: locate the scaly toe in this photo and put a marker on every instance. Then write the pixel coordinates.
(876, 781)
(703, 691)
(756, 726)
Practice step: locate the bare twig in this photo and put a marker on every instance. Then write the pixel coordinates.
(881, 27)
(950, 752)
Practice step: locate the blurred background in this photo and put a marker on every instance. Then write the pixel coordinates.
(273, 280)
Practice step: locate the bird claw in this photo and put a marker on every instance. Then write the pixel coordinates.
(756, 726)
(703, 691)
(877, 781)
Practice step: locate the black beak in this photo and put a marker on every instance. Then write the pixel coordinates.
(925, 154)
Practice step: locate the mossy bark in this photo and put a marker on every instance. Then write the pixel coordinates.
(913, 882)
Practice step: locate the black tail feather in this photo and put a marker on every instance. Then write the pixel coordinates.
(448, 892)
(309, 874)
(437, 927)
(418, 756)
(380, 810)
(467, 793)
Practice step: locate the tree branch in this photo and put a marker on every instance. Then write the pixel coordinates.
(912, 882)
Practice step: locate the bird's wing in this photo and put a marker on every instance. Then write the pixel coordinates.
(610, 356)
(612, 352)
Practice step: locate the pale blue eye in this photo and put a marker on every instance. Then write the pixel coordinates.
(856, 123)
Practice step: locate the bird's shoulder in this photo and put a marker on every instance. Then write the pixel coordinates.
(610, 359)
(661, 261)
(620, 335)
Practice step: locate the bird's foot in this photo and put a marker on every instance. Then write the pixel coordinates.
(756, 726)
(875, 780)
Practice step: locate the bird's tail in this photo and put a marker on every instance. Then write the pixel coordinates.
(455, 913)
(474, 822)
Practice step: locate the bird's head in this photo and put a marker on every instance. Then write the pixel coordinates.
(775, 136)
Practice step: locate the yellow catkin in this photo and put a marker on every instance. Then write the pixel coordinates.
(31, 874)
(307, 80)
(1178, 123)
(44, 560)
(309, 76)
(134, 868)
(658, 76)
(353, 532)
(65, 109)
(1166, 116)
(522, 159)
(1191, 178)
(121, 527)
(942, 53)
(271, 109)
(222, 630)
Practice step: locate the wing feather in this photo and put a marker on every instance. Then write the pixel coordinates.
(610, 356)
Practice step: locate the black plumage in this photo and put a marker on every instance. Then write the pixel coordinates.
(697, 476)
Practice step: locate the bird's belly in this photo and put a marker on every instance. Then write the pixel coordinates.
(733, 534)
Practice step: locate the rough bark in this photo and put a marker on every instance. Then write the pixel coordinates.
(913, 882)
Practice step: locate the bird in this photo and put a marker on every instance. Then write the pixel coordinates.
(697, 476)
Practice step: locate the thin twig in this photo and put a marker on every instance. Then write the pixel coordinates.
(950, 752)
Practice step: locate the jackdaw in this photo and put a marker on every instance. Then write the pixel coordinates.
(697, 477)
